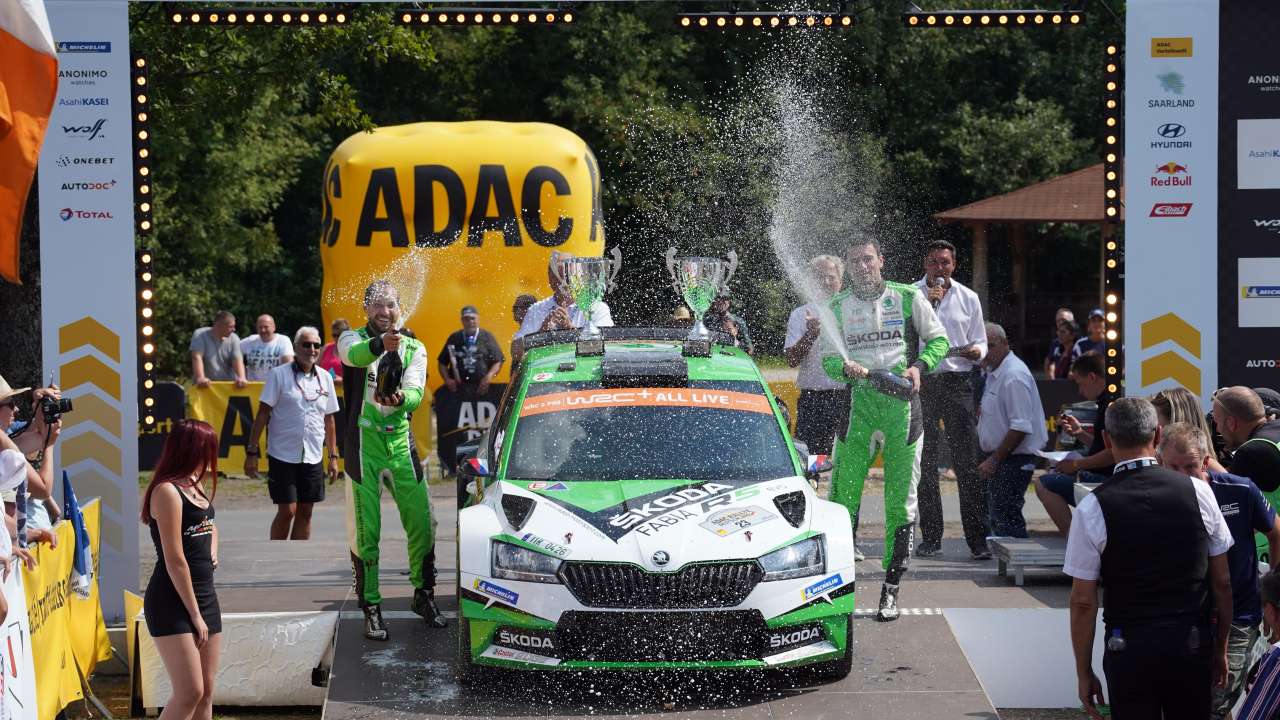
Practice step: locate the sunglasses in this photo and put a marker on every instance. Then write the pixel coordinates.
(310, 345)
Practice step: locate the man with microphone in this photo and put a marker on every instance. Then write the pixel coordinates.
(947, 397)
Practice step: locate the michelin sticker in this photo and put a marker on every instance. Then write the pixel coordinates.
(724, 523)
(822, 587)
(497, 591)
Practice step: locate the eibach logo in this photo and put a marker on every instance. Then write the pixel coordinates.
(1170, 210)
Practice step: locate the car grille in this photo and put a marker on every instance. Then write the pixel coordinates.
(660, 637)
(618, 585)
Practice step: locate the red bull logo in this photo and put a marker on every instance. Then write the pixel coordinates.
(1171, 174)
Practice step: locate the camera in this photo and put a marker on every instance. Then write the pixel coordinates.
(53, 409)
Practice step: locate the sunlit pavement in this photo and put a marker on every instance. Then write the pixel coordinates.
(911, 668)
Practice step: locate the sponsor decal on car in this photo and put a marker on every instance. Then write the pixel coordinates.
(548, 486)
(674, 508)
(646, 397)
(543, 376)
(525, 640)
(541, 542)
(724, 523)
(498, 652)
(786, 638)
(822, 587)
(509, 597)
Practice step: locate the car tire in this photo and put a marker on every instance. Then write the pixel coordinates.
(468, 672)
(838, 669)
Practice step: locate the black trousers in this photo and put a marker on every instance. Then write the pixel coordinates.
(820, 415)
(948, 398)
(1164, 672)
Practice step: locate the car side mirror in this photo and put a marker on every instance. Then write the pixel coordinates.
(471, 474)
(814, 465)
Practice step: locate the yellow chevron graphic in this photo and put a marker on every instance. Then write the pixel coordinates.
(1170, 365)
(1171, 327)
(89, 483)
(92, 371)
(87, 331)
(92, 446)
(91, 408)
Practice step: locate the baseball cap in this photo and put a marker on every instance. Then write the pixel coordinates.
(469, 310)
(1097, 313)
(7, 392)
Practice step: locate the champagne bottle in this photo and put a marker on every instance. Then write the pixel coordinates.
(390, 372)
(890, 384)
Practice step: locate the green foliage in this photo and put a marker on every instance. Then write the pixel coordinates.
(244, 120)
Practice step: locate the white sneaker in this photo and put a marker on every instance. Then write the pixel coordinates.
(888, 603)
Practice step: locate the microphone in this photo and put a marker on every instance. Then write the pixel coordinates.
(937, 282)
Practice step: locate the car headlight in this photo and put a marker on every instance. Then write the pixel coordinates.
(517, 563)
(807, 557)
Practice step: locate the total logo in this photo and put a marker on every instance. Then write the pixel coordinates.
(85, 132)
(1170, 210)
(1171, 174)
(1265, 83)
(69, 160)
(1170, 135)
(1270, 225)
(72, 214)
(82, 186)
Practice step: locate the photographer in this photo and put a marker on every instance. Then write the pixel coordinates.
(35, 440)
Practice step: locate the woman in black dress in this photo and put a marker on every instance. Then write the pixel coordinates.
(180, 604)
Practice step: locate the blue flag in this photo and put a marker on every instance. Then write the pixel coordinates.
(82, 569)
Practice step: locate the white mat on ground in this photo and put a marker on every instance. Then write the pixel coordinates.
(266, 660)
(1022, 656)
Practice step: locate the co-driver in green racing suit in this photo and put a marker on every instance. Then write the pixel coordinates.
(378, 450)
(882, 324)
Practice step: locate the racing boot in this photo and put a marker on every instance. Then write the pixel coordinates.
(424, 603)
(374, 627)
(888, 603)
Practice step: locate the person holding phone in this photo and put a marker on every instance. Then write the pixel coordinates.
(180, 604)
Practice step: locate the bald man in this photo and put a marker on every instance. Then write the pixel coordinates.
(266, 350)
(1240, 417)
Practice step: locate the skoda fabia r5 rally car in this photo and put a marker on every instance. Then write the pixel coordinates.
(641, 506)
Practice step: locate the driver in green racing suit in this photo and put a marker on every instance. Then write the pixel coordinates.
(882, 324)
(378, 450)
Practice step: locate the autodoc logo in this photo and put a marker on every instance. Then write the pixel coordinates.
(69, 160)
(1264, 83)
(1171, 174)
(1171, 83)
(1170, 135)
(84, 47)
(1177, 210)
(84, 102)
(1268, 224)
(85, 132)
(1260, 363)
(74, 186)
(72, 214)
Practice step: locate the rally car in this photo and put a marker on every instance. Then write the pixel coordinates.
(638, 504)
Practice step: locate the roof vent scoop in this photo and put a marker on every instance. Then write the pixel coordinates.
(791, 505)
(517, 508)
(643, 369)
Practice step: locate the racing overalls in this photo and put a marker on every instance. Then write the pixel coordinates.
(883, 333)
(378, 450)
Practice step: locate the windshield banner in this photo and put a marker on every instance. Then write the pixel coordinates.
(646, 397)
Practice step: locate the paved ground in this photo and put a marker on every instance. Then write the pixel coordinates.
(912, 668)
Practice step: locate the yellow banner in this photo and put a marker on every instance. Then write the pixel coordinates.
(455, 214)
(230, 410)
(68, 636)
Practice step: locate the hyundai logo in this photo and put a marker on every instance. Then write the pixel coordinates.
(1171, 130)
(661, 558)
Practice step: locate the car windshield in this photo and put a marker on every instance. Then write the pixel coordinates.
(708, 431)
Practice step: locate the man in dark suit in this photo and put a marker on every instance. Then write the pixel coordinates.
(1157, 543)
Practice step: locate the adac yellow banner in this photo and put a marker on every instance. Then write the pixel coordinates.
(61, 622)
(230, 410)
(455, 214)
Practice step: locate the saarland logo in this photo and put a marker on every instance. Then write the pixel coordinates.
(1171, 174)
(1170, 210)
(71, 213)
(1171, 83)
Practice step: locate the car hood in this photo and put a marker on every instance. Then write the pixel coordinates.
(662, 525)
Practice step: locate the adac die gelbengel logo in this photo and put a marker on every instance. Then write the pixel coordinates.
(1171, 47)
(84, 47)
(72, 214)
(1255, 292)
(1170, 210)
(85, 132)
(1171, 174)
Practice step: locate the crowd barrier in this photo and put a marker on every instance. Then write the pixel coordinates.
(52, 639)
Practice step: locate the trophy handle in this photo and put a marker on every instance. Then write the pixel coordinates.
(675, 275)
(614, 268)
(733, 266)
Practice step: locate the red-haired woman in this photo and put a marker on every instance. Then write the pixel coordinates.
(180, 604)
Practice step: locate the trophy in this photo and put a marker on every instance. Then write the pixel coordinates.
(700, 280)
(586, 280)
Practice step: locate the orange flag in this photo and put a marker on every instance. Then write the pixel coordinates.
(28, 86)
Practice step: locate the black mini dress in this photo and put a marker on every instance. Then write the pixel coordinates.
(161, 604)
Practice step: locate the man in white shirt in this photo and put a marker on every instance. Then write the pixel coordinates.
(946, 395)
(297, 407)
(1011, 428)
(559, 312)
(266, 350)
(1156, 542)
(822, 409)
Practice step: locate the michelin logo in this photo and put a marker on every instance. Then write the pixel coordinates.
(84, 47)
(507, 596)
(822, 587)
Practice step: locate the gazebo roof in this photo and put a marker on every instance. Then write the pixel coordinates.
(1075, 197)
